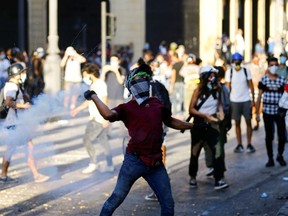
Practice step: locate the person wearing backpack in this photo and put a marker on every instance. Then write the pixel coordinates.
(207, 109)
(224, 125)
(239, 81)
(14, 99)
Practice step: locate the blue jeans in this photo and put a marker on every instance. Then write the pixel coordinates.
(132, 169)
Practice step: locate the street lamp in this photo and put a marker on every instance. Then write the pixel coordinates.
(52, 70)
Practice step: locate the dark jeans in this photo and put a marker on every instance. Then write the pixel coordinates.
(132, 169)
(269, 121)
(206, 135)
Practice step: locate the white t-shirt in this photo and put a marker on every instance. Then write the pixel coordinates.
(100, 88)
(73, 71)
(240, 44)
(10, 90)
(210, 106)
(240, 91)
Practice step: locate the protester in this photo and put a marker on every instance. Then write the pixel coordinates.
(176, 87)
(190, 73)
(282, 68)
(4, 64)
(143, 117)
(206, 107)
(158, 90)
(72, 63)
(224, 125)
(239, 81)
(14, 99)
(114, 76)
(97, 128)
(271, 87)
(35, 83)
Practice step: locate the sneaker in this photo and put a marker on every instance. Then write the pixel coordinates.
(281, 160)
(193, 182)
(221, 184)
(41, 178)
(91, 168)
(210, 172)
(270, 163)
(107, 169)
(151, 197)
(239, 148)
(250, 149)
(7, 179)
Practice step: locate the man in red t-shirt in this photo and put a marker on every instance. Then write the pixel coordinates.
(143, 117)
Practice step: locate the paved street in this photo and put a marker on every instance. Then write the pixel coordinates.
(61, 155)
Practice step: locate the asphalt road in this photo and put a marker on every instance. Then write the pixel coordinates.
(60, 154)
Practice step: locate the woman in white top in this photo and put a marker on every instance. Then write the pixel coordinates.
(206, 107)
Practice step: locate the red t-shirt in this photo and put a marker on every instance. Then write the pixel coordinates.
(144, 124)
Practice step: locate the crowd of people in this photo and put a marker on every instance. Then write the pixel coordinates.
(157, 92)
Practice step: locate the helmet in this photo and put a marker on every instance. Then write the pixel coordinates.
(237, 56)
(15, 69)
(206, 70)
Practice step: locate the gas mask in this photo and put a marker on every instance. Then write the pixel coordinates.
(236, 65)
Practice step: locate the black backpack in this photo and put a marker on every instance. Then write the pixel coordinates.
(3, 107)
(159, 91)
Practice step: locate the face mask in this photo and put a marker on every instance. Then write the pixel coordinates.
(273, 69)
(23, 78)
(139, 88)
(209, 86)
(2, 56)
(283, 60)
(157, 71)
(114, 64)
(212, 80)
(87, 80)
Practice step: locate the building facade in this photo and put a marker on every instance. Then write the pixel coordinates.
(195, 24)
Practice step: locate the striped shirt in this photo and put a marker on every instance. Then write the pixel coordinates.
(272, 92)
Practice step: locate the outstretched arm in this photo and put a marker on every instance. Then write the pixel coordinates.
(110, 115)
(178, 124)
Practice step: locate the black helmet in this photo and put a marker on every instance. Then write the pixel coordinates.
(15, 69)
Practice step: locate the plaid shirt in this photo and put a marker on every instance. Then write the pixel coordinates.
(272, 92)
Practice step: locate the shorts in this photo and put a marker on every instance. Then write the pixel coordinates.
(241, 108)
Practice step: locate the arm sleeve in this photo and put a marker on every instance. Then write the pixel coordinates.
(249, 75)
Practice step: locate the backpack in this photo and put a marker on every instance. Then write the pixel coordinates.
(159, 91)
(3, 107)
(225, 99)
